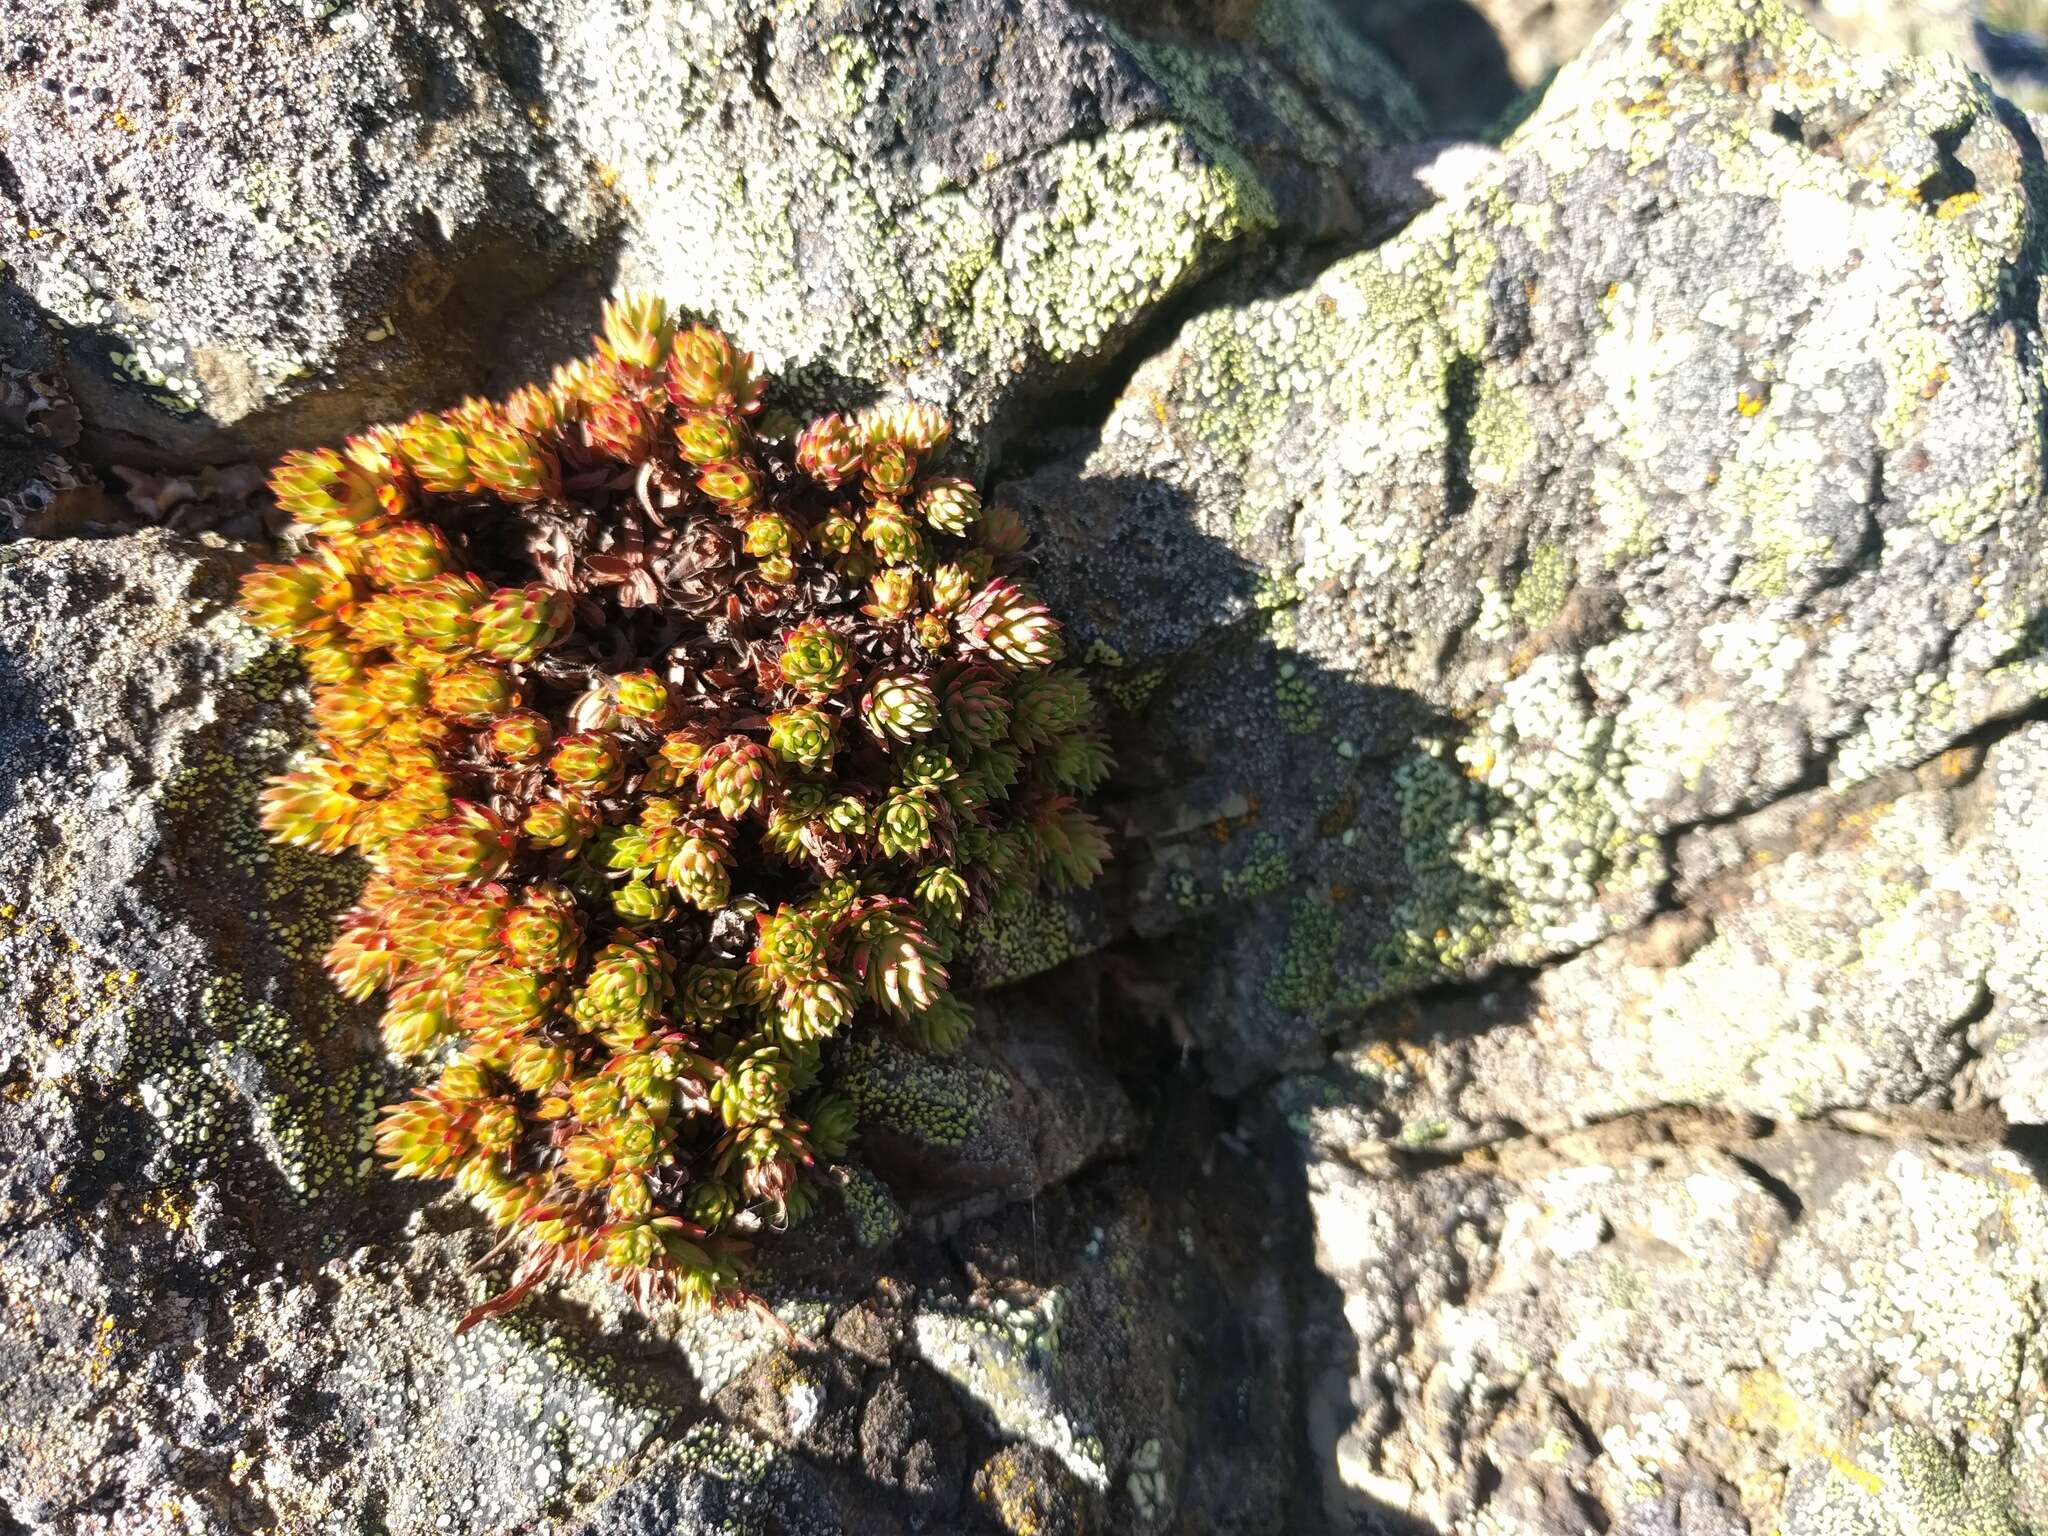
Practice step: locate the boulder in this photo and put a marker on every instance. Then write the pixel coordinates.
(1872, 950)
(1687, 459)
(1572, 1054)
(1477, 66)
(257, 229)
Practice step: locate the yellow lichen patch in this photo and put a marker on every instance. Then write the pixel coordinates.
(168, 1206)
(99, 1356)
(1861, 1476)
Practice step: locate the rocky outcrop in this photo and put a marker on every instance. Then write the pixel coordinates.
(215, 1311)
(1689, 458)
(1475, 64)
(257, 228)
(1569, 1052)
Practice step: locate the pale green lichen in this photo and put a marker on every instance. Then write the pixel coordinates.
(716, 1449)
(1307, 979)
(1763, 656)
(311, 1121)
(856, 75)
(1262, 871)
(1301, 711)
(1378, 339)
(1510, 858)
(1544, 585)
(877, 1218)
(1132, 691)
(1495, 620)
(1862, 210)
(296, 1077)
(1902, 728)
(1340, 66)
(939, 1101)
(1017, 1386)
(1134, 215)
(1502, 438)
(1146, 1482)
(1023, 934)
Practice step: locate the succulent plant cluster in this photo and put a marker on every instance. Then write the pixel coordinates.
(677, 750)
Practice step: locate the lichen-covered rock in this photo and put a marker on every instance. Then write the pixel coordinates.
(260, 227)
(1618, 597)
(1636, 1330)
(1108, 1339)
(1837, 951)
(1112, 1358)
(1471, 66)
(996, 1123)
(161, 1012)
(1689, 456)
(207, 1296)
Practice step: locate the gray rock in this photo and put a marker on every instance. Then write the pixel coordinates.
(217, 1309)
(1838, 951)
(1815, 1331)
(259, 227)
(1686, 458)
(154, 951)
(1019, 1109)
(1584, 653)
(1478, 65)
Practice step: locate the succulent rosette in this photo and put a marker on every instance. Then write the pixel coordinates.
(605, 677)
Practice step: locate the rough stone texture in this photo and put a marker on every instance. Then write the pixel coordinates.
(260, 225)
(1879, 948)
(205, 1301)
(1689, 456)
(1814, 1331)
(44, 491)
(997, 1122)
(1580, 678)
(149, 1029)
(1474, 62)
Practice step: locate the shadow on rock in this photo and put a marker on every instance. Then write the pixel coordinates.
(1067, 1285)
(1449, 51)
